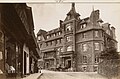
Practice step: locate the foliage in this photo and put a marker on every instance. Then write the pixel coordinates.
(110, 53)
(110, 64)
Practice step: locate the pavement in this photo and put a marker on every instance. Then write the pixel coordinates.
(33, 76)
(47, 74)
(70, 75)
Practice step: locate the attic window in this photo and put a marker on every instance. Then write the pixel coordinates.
(39, 38)
(83, 25)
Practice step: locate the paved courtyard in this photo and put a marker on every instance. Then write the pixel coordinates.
(70, 75)
(33, 76)
(46, 74)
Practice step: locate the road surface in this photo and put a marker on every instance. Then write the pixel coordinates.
(70, 75)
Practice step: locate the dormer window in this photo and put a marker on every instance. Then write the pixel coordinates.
(39, 38)
(83, 25)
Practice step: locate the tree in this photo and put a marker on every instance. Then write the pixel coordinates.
(109, 53)
(110, 64)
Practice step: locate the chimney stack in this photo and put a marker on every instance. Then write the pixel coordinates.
(61, 23)
(113, 31)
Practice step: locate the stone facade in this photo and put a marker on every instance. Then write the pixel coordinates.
(76, 45)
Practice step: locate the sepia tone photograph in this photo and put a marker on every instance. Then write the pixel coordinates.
(59, 39)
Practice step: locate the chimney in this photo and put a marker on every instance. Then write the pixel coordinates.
(113, 31)
(61, 23)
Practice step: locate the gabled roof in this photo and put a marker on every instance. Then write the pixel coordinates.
(84, 20)
(41, 32)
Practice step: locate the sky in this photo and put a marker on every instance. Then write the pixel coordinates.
(46, 16)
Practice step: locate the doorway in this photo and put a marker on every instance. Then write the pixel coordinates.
(47, 65)
(69, 63)
(25, 63)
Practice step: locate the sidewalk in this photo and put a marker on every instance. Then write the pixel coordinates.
(47, 71)
(33, 76)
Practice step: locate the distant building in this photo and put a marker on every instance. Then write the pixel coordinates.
(18, 44)
(77, 43)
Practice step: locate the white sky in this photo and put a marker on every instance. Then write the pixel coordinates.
(47, 15)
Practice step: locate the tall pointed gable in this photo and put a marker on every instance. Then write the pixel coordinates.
(94, 17)
(72, 13)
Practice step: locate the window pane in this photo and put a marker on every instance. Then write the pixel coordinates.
(68, 27)
(69, 38)
(62, 50)
(95, 68)
(39, 38)
(96, 34)
(84, 47)
(84, 25)
(96, 59)
(84, 35)
(96, 46)
(84, 59)
(69, 48)
(84, 69)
